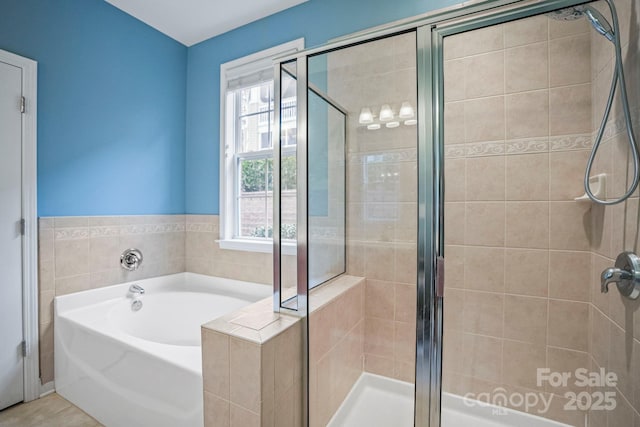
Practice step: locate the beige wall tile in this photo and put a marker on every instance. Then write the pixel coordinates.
(527, 114)
(569, 225)
(484, 119)
(379, 299)
(485, 223)
(568, 325)
(215, 367)
(569, 275)
(562, 360)
(525, 319)
(525, 31)
(483, 40)
(484, 269)
(453, 309)
(244, 374)
(482, 357)
(454, 223)
(483, 313)
(599, 342)
(454, 180)
(378, 365)
(380, 262)
(454, 75)
(526, 67)
(483, 75)
(527, 177)
(485, 178)
(521, 362)
(216, 411)
(379, 337)
(406, 263)
(526, 272)
(405, 302)
(71, 257)
(570, 110)
(566, 174)
(454, 123)
(528, 225)
(570, 60)
(454, 266)
(404, 338)
(241, 417)
(559, 28)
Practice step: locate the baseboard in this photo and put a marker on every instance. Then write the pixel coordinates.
(47, 388)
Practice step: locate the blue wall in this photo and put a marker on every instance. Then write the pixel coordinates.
(316, 20)
(111, 107)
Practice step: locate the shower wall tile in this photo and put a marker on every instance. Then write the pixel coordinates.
(512, 228)
(527, 114)
(527, 225)
(527, 67)
(483, 75)
(484, 119)
(527, 177)
(570, 109)
(485, 178)
(564, 54)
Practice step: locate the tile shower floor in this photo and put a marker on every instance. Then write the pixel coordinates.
(49, 411)
(376, 401)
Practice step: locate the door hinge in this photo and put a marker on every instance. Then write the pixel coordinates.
(23, 103)
(23, 226)
(24, 349)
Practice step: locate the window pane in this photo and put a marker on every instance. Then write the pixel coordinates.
(253, 219)
(255, 107)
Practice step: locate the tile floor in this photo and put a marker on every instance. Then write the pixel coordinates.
(49, 411)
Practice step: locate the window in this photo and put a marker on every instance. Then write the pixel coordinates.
(247, 102)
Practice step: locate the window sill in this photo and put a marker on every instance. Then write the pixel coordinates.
(255, 246)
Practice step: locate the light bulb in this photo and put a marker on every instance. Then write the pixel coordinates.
(374, 126)
(406, 111)
(410, 122)
(386, 114)
(366, 116)
(392, 125)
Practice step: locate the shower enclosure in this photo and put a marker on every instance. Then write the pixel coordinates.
(448, 260)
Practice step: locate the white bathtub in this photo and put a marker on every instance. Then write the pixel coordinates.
(141, 368)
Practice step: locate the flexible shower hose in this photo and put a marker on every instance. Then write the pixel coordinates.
(618, 75)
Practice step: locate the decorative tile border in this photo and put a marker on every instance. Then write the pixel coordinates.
(529, 145)
(390, 156)
(201, 227)
(76, 233)
(570, 142)
(519, 146)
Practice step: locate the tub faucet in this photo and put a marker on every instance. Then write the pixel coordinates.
(136, 289)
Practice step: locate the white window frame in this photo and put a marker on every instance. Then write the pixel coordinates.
(247, 65)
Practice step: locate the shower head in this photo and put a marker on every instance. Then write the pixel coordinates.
(599, 22)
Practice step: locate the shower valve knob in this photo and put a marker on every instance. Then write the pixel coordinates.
(626, 275)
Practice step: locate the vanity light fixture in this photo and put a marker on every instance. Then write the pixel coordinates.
(366, 116)
(406, 111)
(386, 114)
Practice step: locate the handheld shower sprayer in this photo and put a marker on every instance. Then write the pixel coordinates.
(612, 33)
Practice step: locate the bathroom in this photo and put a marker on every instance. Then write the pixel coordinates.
(416, 248)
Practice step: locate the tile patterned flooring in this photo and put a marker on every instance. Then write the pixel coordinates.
(49, 411)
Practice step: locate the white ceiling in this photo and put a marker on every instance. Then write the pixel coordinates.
(192, 21)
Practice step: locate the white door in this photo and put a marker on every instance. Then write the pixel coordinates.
(11, 335)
